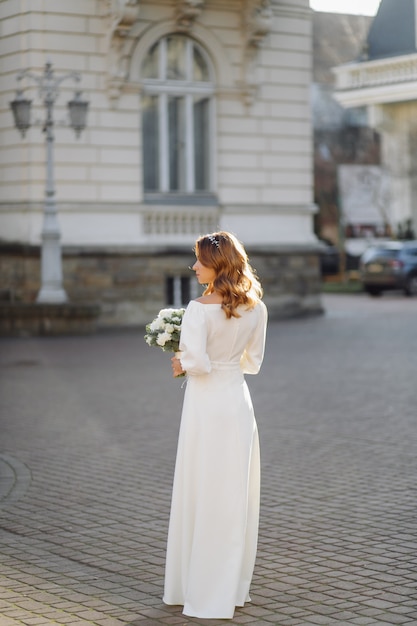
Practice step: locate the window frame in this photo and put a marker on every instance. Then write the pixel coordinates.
(163, 88)
(181, 285)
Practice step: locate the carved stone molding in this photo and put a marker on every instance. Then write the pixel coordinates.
(187, 11)
(257, 25)
(259, 17)
(122, 15)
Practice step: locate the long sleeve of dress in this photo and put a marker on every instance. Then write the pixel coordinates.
(193, 343)
(253, 354)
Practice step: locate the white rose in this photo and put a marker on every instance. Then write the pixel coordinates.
(162, 339)
(169, 328)
(156, 324)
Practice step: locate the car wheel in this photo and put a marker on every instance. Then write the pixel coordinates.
(373, 291)
(411, 286)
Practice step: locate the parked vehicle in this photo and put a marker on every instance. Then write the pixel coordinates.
(390, 265)
(329, 258)
(331, 261)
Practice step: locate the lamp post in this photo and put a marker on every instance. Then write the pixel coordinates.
(48, 85)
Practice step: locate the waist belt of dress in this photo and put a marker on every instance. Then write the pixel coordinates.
(225, 365)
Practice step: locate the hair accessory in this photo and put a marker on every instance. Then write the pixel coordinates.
(213, 241)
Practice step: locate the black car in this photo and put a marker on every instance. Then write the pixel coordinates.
(390, 265)
(329, 258)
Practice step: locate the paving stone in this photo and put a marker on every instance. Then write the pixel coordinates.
(86, 464)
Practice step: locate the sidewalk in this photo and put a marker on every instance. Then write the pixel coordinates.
(88, 432)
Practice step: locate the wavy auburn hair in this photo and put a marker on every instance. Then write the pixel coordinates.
(235, 280)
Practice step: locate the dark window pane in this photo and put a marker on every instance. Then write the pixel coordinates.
(150, 130)
(200, 69)
(176, 46)
(176, 142)
(373, 254)
(169, 290)
(177, 290)
(150, 67)
(389, 254)
(201, 143)
(185, 289)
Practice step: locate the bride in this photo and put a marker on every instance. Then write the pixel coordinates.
(213, 526)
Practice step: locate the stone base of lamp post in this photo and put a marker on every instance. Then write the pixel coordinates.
(51, 295)
(51, 290)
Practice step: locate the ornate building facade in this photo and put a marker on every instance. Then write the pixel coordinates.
(383, 81)
(199, 119)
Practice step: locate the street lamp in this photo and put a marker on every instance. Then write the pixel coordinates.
(51, 263)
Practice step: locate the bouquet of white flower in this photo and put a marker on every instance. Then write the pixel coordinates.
(164, 331)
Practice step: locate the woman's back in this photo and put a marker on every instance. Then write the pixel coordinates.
(227, 339)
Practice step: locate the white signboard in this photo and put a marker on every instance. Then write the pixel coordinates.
(364, 195)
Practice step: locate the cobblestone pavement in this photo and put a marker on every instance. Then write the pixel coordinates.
(88, 434)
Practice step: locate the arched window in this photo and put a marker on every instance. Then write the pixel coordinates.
(177, 117)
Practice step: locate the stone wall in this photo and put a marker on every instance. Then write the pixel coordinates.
(130, 286)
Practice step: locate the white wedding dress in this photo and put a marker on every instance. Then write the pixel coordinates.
(213, 526)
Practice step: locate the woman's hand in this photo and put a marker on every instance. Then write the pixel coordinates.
(176, 367)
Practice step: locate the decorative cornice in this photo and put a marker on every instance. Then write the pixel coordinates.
(123, 14)
(186, 13)
(259, 17)
(258, 22)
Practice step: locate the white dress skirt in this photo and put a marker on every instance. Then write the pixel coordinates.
(213, 526)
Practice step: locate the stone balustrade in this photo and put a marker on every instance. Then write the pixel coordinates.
(377, 73)
(169, 221)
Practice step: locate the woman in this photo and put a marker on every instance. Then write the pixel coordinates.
(215, 502)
